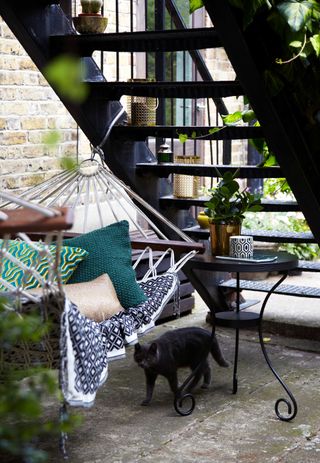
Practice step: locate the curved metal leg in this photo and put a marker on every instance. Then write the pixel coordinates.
(291, 404)
(235, 365)
(236, 350)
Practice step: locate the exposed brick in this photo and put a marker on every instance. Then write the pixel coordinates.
(15, 108)
(10, 47)
(32, 123)
(15, 137)
(13, 123)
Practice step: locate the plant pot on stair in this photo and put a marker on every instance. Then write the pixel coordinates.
(226, 209)
(90, 21)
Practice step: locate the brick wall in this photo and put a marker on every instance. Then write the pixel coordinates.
(29, 111)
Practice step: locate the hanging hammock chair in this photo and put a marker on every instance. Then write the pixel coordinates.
(99, 200)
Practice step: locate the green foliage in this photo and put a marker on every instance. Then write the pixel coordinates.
(274, 186)
(315, 41)
(296, 23)
(284, 222)
(21, 392)
(52, 138)
(67, 163)
(228, 204)
(297, 13)
(195, 5)
(291, 221)
(260, 144)
(183, 137)
(66, 74)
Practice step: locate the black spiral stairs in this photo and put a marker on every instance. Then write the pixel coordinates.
(45, 30)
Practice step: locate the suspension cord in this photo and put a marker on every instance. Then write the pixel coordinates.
(98, 149)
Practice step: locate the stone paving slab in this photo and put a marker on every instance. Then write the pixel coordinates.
(224, 428)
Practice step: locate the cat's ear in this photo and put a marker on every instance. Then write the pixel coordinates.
(137, 347)
(153, 348)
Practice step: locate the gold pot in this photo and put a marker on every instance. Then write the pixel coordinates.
(220, 234)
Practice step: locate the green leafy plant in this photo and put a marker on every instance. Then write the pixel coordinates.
(228, 204)
(260, 144)
(292, 40)
(22, 393)
(278, 188)
(284, 221)
(67, 73)
(195, 5)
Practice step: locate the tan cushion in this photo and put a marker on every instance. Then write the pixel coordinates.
(96, 299)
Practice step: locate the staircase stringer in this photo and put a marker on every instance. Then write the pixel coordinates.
(277, 115)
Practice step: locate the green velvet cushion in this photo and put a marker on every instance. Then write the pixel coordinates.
(109, 252)
(12, 273)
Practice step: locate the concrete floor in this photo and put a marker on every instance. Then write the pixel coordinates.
(223, 428)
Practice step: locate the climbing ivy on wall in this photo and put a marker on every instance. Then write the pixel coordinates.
(301, 18)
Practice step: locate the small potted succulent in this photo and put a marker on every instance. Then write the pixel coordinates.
(91, 6)
(226, 209)
(90, 21)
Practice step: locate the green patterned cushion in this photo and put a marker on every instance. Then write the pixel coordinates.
(109, 252)
(69, 259)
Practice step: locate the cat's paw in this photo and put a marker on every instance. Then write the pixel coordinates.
(145, 402)
(205, 386)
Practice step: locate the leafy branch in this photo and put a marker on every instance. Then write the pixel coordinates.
(246, 116)
(183, 137)
(300, 17)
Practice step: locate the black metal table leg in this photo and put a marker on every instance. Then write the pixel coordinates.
(290, 404)
(235, 365)
(270, 261)
(236, 350)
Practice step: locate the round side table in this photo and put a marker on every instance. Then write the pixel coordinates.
(283, 262)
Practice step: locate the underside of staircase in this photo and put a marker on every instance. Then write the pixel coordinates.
(45, 30)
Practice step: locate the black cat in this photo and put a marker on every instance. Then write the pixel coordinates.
(184, 347)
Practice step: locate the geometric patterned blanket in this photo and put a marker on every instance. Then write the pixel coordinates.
(86, 347)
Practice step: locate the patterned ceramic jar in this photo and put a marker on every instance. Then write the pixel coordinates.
(241, 246)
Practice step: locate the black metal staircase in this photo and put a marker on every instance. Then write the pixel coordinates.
(45, 31)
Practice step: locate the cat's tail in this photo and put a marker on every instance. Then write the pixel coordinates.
(217, 354)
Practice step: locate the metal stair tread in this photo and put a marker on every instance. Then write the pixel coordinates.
(268, 205)
(141, 41)
(175, 89)
(260, 235)
(309, 266)
(263, 286)
(173, 131)
(204, 170)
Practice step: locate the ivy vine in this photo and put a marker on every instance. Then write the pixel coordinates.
(302, 17)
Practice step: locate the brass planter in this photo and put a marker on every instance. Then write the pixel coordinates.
(186, 186)
(220, 234)
(142, 110)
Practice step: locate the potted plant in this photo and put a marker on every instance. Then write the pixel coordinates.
(91, 6)
(226, 209)
(90, 21)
